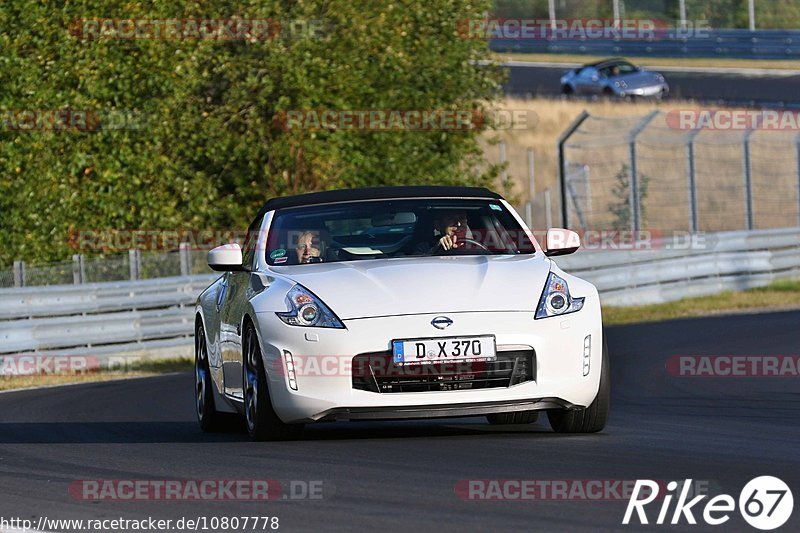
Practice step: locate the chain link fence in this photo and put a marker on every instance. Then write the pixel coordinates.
(116, 267)
(638, 173)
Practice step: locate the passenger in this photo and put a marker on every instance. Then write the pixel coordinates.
(310, 247)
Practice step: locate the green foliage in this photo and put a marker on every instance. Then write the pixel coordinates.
(621, 207)
(205, 151)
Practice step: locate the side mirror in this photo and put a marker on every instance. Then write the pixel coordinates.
(226, 258)
(561, 242)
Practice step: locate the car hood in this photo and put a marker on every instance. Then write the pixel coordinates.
(442, 284)
(640, 79)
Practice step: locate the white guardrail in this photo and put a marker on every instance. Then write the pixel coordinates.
(155, 316)
(675, 269)
(101, 319)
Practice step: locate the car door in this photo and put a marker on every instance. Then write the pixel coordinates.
(231, 334)
(232, 316)
(588, 81)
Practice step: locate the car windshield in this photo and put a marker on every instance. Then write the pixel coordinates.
(620, 69)
(380, 229)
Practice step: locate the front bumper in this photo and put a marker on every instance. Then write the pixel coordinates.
(322, 360)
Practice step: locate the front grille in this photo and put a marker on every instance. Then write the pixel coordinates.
(376, 372)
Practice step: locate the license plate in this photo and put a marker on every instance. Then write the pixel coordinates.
(420, 351)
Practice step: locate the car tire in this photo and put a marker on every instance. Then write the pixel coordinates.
(260, 417)
(589, 419)
(209, 419)
(518, 417)
(567, 90)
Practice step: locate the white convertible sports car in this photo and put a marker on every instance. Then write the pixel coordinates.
(396, 303)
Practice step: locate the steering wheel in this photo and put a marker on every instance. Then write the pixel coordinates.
(467, 240)
(476, 243)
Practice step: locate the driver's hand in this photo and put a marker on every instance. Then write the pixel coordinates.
(448, 242)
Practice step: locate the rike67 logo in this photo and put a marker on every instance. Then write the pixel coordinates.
(765, 503)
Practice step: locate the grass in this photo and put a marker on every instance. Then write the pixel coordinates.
(602, 146)
(784, 294)
(547, 120)
(653, 62)
(142, 368)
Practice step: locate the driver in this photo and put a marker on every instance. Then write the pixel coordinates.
(310, 247)
(452, 226)
(449, 233)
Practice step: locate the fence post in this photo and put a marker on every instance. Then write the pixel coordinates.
(78, 272)
(504, 172)
(19, 273)
(548, 214)
(531, 190)
(633, 193)
(682, 11)
(748, 180)
(186, 259)
(134, 261)
(562, 165)
(531, 177)
(690, 171)
(798, 179)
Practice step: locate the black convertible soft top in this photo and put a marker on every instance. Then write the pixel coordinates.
(609, 61)
(377, 193)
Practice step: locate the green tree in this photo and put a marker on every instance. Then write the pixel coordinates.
(621, 205)
(205, 150)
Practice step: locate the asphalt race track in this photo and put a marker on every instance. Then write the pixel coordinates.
(768, 90)
(401, 475)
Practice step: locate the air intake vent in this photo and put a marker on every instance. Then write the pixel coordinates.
(376, 372)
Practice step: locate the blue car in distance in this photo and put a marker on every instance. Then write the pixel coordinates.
(614, 78)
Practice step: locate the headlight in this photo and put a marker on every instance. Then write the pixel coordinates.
(307, 310)
(556, 300)
(621, 84)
